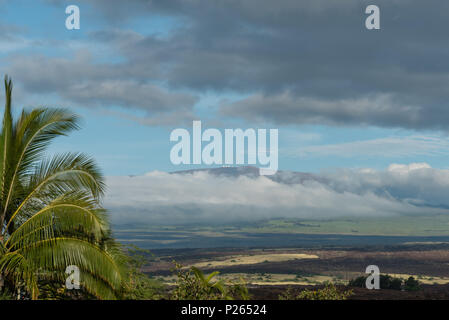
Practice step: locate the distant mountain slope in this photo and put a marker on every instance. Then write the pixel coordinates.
(285, 177)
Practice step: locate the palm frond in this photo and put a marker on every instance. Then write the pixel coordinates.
(70, 172)
(6, 145)
(58, 253)
(34, 132)
(74, 213)
(50, 211)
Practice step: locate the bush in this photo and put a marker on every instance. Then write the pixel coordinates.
(411, 284)
(329, 292)
(358, 282)
(288, 295)
(139, 285)
(387, 282)
(192, 284)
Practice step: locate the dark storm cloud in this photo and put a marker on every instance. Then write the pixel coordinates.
(297, 61)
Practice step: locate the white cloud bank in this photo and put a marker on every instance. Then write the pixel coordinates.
(205, 197)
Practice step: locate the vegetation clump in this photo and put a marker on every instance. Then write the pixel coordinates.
(193, 284)
(411, 284)
(329, 292)
(140, 286)
(388, 282)
(50, 210)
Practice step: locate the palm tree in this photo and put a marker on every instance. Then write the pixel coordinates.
(50, 212)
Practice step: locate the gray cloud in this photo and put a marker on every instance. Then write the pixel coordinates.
(205, 196)
(83, 82)
(11, 38)
(299, 62)
(286, 108)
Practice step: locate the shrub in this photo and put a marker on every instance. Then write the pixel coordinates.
(288, 294)
(411, 284)
(192, 284)
(358, 282)
(385, 281)
(389, 282)
(139, 285)
(329, 292)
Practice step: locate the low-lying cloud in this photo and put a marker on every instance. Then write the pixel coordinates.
(208, 197)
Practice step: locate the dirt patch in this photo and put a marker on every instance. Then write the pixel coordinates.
(254, 259)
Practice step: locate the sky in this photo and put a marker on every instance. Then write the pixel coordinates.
(344, 98)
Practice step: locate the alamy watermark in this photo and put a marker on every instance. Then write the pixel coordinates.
(373, 280)
(73, 280)
(372, 22)
(72, 22)
(221, 152)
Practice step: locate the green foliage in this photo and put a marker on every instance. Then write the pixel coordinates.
(6, 295)
(288, 294)
(140, 286)
(192, 284)
(51, 290)
(411, 284)
(389, 282)
(239, 291)
(329, 292)
(386, 282)
(50, 212)
(359, 282)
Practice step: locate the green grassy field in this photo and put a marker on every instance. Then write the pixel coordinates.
(435, 225)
